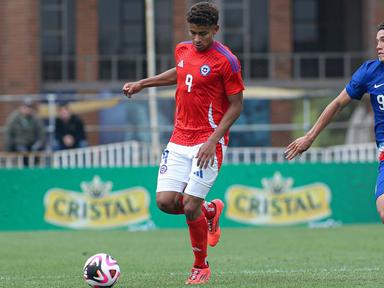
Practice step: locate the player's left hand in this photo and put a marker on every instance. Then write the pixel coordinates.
(297, 147)
(206, 155)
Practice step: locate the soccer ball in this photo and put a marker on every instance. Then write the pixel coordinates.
(101, 270)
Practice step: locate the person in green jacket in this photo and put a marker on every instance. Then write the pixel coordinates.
(24, 131)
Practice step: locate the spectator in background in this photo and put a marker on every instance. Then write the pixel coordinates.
(24, 131)
(69, 130)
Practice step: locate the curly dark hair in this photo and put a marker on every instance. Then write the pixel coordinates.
(380, 27)
(203, 14)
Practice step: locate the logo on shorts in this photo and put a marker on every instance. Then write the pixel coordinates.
(204, 70)
(199, 173)
(163, 169)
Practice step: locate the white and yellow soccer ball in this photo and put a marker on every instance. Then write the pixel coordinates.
(101, 270)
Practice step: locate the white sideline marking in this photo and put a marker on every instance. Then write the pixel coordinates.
(243, 272)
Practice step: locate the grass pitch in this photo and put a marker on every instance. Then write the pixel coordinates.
(349, 256)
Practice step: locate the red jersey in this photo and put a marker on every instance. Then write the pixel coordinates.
(205, 80)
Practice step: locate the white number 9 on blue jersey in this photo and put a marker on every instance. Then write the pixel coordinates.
(380, 100)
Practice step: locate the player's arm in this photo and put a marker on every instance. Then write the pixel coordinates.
(166, 78)
(207, 152)
(303, 143)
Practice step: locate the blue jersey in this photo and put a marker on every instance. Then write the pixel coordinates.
(369, 78)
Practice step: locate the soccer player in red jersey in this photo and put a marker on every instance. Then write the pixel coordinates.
(209, 98)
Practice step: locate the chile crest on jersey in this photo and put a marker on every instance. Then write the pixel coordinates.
(205, 70)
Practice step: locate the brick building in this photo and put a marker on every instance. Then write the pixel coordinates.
(73, 46)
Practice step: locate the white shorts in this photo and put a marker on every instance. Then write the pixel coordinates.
(179, 172)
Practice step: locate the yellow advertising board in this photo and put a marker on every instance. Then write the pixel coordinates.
(96, 206)
(277, 202)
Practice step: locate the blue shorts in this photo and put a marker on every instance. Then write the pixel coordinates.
(380, 181)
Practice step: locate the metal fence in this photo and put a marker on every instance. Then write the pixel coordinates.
(366, 152)
(127, 154)
(135, 154)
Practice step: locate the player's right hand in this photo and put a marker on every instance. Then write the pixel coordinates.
(297, 147)
(131, 88)
(206, 155)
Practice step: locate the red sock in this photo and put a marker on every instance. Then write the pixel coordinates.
(198, 229)
(209, 209)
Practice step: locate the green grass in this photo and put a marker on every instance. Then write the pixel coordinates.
(349, 256)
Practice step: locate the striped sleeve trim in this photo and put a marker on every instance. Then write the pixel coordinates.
(231, 58)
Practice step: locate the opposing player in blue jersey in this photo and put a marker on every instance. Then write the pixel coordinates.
(369, 78)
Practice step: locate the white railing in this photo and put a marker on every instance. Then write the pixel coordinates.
(126, 154)
(366, 152)
(134, 154)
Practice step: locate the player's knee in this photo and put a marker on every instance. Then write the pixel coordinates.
(192, 211)
(163, 204)
(188, 212)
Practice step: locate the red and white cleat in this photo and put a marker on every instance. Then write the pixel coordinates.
(214, 231)
(199, 276)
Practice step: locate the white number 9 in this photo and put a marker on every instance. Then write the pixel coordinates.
(380, 100)
(188, 82)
